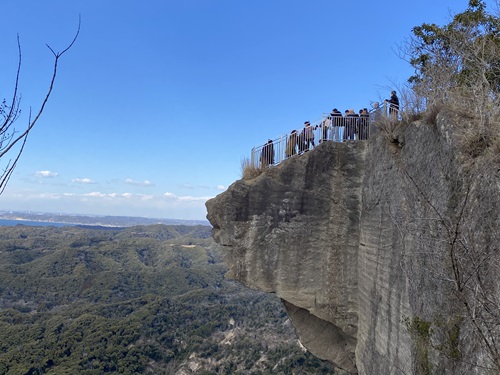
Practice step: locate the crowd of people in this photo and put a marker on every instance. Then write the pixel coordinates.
(334, 127)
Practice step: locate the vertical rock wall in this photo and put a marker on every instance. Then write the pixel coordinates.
(353, 238)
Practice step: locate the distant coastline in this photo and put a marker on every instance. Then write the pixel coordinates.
(12, 218)
(10, 222)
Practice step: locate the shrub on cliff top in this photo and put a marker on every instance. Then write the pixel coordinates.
(457, 67)
(248, 170)
(459, 63)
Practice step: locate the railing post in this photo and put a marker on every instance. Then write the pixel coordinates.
(281, 149)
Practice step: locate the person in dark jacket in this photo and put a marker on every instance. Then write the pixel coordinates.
(308, 136)
(393, 106)
(267, 155)
(364, 121)
(351, 125)
(337, 125)
(301, 135)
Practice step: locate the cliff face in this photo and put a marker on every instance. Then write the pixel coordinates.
(366, 243)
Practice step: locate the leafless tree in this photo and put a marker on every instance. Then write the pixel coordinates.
(10, 110)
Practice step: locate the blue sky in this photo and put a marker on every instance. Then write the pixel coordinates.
(158, 101)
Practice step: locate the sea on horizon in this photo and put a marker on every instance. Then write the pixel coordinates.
(12, 223)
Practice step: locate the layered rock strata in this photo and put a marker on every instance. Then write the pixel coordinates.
(357, 238)
(294, 231)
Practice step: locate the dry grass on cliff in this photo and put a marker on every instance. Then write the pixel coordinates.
(474, 119)
(480, 141)
(387, 126)
(248, 170)
(477, 133)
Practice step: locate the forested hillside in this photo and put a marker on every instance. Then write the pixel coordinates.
(147, 299)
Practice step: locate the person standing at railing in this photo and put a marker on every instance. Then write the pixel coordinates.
(291, 145)
(376, 113)
(325, 126)
(337, 125)
(267, 154)
(364, 120)
(308, 136)
(345, 121)
(351, 122)
(393, 106)
(301, 140)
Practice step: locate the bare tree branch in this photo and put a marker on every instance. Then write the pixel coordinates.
(13, 112)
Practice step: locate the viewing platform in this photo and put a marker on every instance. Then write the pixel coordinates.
(333, 127)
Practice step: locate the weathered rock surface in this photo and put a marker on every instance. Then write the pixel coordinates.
(363, 242)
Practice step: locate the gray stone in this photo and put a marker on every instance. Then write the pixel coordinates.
(357, 239)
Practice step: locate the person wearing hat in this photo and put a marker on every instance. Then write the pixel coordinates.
(308, 136)
(291, 144)
(267, 154)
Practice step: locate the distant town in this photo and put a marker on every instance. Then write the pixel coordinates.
(92, 220)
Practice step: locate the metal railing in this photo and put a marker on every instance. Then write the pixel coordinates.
(333, 127)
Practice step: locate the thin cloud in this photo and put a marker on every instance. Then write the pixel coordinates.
(193, 199)
(94, 194)
(46, 174)
(83, 181)
(187, 198)
(130, 181)
(191, 186)
(97, 194)
(221, 187)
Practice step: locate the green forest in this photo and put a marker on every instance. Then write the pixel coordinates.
(145, 299)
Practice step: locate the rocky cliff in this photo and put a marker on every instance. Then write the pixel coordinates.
(384, 252)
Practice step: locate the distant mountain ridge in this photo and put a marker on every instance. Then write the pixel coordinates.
(94, 220)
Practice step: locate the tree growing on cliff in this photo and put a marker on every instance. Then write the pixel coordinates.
(10, 110)
(458, 63)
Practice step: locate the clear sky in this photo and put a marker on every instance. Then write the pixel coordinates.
(158, 101)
